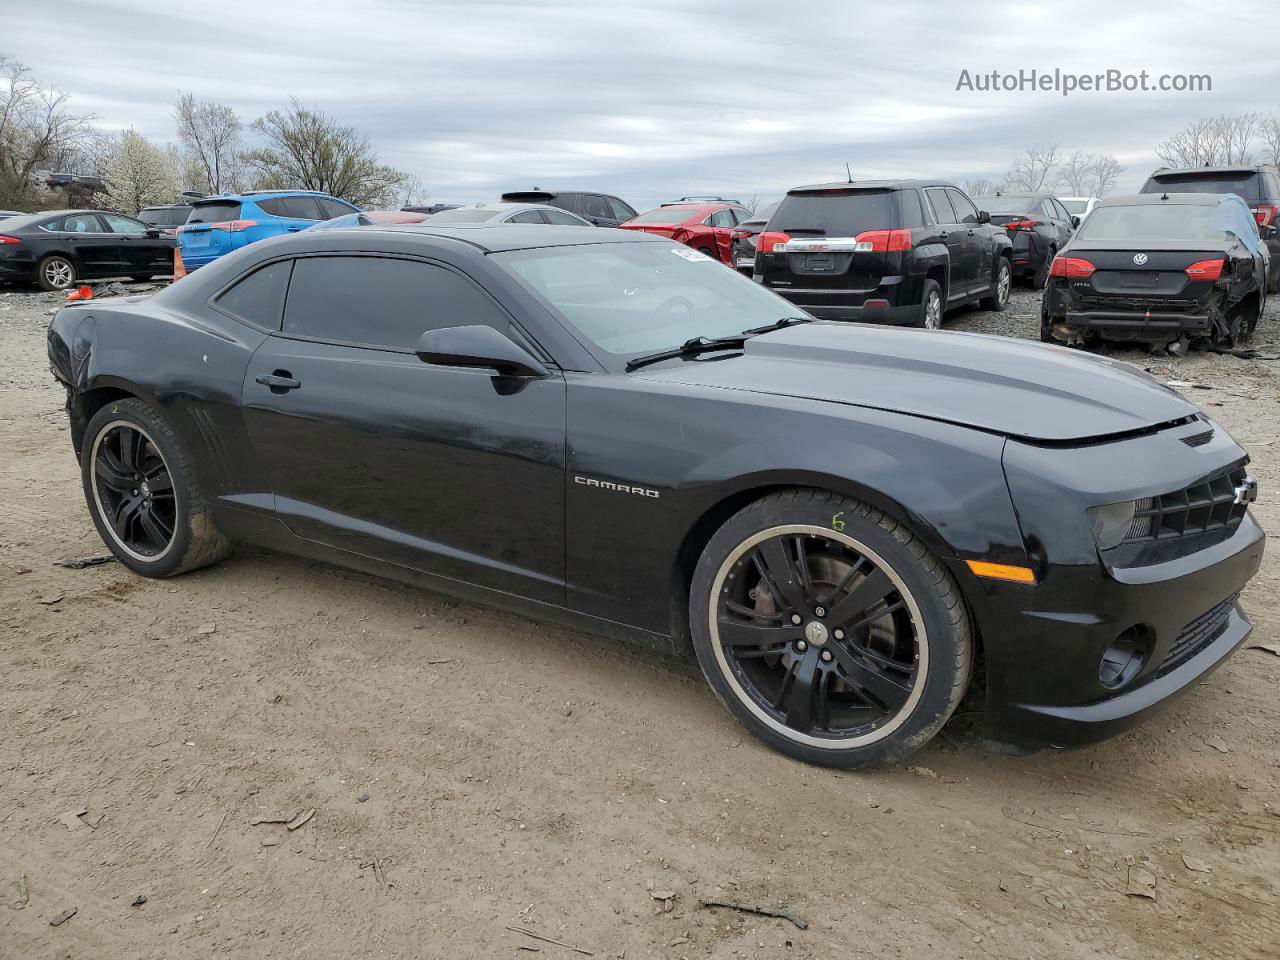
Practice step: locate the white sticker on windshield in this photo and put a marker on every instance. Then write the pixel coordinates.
(691, 254)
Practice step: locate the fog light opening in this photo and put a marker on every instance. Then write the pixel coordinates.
(1122, 661)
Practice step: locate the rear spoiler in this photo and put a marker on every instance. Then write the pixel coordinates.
(528, 196)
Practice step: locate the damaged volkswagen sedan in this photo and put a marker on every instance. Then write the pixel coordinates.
(846, 525)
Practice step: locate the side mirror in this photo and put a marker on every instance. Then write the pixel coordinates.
(984, 217)
(478, 346)
(153, 233)
(1075, 222)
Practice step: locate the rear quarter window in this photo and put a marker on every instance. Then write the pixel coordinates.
(259, 297)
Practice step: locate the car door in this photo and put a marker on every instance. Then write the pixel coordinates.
(621, 212)
(956, 238)
(145, 255)
(1063, 217)
(596, 209)
(455, 472)
(99, 252)
(977, 244)
(722, 223)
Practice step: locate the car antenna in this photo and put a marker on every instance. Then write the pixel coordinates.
(1164, 196)
(847, 172)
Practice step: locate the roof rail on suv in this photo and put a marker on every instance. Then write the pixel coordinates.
(670, 203)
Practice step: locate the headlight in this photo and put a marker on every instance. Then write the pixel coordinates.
(1117, 522)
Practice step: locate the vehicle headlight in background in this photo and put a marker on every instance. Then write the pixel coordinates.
(1114, 523)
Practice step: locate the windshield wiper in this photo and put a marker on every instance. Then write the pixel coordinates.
(690, 348)
(777, 325)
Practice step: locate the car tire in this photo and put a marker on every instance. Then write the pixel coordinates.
(932, 306)
(1002, 286)
(140, 485)
(876, 665)
(1273, 281)
(1041, 274)
(56, 273)
(1046, 325)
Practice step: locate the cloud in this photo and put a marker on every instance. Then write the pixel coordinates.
(662, 98)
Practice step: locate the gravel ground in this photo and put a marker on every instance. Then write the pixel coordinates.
(472, 772)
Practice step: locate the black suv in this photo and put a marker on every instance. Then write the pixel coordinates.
(1162, 269)
(885, 251)
(1039, 227)
(1258, 186)
(602, 209)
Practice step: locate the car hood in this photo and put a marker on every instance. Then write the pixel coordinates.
(1026, 390)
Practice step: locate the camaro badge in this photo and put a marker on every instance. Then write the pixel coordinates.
(616, 487)
(1139, 258)
(1247, 492)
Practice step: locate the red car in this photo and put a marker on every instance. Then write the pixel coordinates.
(704, 223)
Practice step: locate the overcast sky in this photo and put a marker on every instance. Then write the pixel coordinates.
(656, 99)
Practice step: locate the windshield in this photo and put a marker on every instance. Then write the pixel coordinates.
(835, 213)
(664, 216)
(1000, 205)
(630, 299)
(1075, 207)
(1169, 221)
(464, 215)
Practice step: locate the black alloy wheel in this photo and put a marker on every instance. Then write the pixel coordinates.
(134, 491)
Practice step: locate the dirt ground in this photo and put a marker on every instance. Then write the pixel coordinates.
(475, 775)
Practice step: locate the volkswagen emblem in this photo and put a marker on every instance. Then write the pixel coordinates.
(1139, 258)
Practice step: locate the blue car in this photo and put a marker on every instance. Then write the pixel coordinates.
(219, 225)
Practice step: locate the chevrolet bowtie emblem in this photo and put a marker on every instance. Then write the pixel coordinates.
(1247, 492)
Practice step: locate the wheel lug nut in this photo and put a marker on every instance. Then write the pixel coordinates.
(839, 634)
(801, 646)
(826, 655)
(820, 611)
(796, 619)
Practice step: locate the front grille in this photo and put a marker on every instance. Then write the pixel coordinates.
(1197, 635)
(1203, 507)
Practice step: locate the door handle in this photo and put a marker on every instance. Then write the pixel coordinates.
(280, 382)
(293, 229)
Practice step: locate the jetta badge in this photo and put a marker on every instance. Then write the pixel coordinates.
(1139, 258)
(1247, 492)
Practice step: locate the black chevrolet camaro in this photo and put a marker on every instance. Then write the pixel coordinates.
(842, 523)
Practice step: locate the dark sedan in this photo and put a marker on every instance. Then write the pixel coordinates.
(603, 428)
(1039, 226)
(1164, 269)
(58, 249)
(743, 239)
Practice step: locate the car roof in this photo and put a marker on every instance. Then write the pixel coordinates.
(856, 185)
(1153, 199)
(1019, 194)
(500, 237)
(258, 195)
(1210, 171)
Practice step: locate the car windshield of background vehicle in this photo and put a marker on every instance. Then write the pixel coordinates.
(214, 212)
(1074, 207)
(835, 213)
(634, 298)
(663, 216)
(463, 215)
(1246, 185)
(1002, 205)
(1176, 222)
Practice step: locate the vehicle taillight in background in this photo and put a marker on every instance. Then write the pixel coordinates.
(1022, 224)
(1209, 270)
(882, 241)
(233, 226)
(1265, 214)
(1071, 268)
(768, 241)
(5, 241)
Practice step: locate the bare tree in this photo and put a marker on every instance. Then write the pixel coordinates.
(1103, 174)
(308, 150)
(1211, 141)
(980, 187)
(139, 174)
(35, 125)
(1075, 173)
(1269, 132)
(1033, 170)
(210, 132)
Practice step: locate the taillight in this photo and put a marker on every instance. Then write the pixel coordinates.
(233, 226)
(1265, 214)
(1022, 224)
(767, 241)
(882, 241)
(5, 241)
(1071, 268)
(1206, 270)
